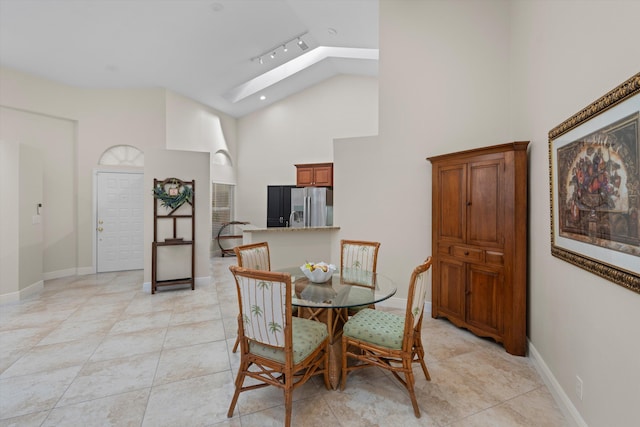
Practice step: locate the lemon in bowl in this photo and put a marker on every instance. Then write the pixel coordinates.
(318, 272)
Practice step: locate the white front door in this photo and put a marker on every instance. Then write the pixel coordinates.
(119, 222)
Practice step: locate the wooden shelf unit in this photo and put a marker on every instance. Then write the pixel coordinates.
(174, 240)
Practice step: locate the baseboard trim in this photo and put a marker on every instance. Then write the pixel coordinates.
(401, 304)
(566, 406)
(32, 289)
(82, 271)
(60, 273)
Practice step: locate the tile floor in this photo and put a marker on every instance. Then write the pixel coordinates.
(96, 350)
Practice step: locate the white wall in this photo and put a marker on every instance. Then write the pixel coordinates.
(194, 126)
(443, 68)
(9, 214)
(299, 129)
(566, 55)
(99, 119)
(108, 117)
(75, 126)
(30, 232)
(55, 138)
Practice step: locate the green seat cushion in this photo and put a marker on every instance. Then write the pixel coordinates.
(307, 335)
(376, 327)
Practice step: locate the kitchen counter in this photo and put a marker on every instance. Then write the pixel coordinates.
(294, 246)
(252, 229)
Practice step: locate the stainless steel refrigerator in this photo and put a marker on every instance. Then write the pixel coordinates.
(311, 207)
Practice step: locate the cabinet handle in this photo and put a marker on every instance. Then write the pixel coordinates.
(468, 203)
(466, 253)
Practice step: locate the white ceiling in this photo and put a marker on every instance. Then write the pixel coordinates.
(199, 48)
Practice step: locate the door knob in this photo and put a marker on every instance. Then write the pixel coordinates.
(100, 229)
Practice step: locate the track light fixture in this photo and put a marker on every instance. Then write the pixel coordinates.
(302, 45)
(282, 46)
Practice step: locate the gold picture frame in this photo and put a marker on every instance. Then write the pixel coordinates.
(594, 177)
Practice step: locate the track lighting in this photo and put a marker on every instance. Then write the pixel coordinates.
(302, 45)
(282, 46)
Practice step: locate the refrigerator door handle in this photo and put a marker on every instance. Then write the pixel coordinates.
(307, 216)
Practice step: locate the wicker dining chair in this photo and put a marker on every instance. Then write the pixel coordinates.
(358, 262)
(389, 341)
(276, 348)
(255, 256)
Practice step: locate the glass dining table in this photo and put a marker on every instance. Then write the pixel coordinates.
(329, 302)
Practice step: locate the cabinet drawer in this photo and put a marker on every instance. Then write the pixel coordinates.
(496, 258)
(467, 253)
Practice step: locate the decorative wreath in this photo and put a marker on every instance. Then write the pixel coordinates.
(177, 195)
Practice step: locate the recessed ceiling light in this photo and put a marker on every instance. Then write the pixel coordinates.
(332, 31)
(262, 97)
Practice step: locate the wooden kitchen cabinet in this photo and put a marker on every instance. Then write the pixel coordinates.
(314, 174)
(479, 241)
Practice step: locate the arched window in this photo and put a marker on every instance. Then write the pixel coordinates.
(122, 155)
(221, 157)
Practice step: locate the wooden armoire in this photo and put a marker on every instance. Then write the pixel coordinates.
(479, 242)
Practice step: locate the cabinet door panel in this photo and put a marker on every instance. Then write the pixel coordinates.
(278, 205)
(304, 176)
(484, 299)
(450, 288)
(323, 176)
(486, 195)
(452, 203)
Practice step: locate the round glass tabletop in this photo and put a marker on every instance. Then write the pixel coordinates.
(350, 288)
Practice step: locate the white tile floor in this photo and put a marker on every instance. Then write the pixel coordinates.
(97, 351)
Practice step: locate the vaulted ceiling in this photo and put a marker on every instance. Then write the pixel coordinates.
(207, 50)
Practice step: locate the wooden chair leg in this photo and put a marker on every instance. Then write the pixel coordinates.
(419, 352)
(288, 399)
(410, 380)
(239, 381)
(425, 370)
(343, 380)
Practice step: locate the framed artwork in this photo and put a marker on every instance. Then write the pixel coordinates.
(594, 171)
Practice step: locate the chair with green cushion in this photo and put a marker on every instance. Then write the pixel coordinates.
(358, 262)
(276, 348)
(255, 256)
(390, 341)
